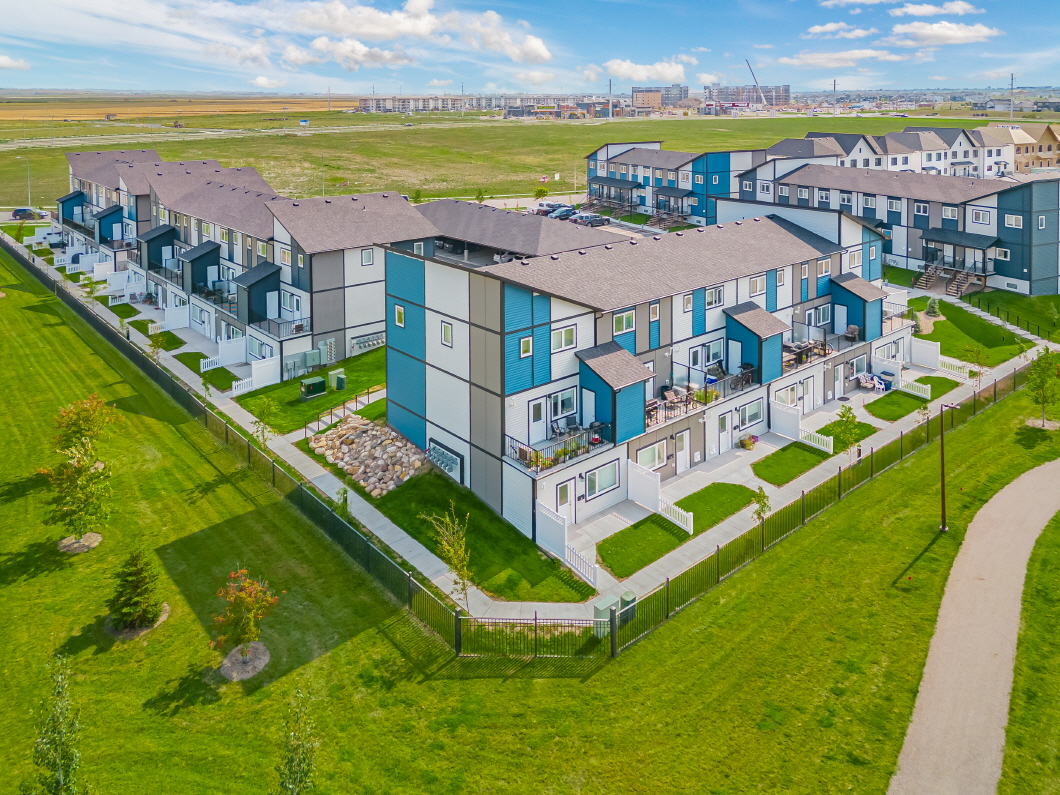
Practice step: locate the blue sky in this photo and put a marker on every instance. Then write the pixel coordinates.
(421, 46)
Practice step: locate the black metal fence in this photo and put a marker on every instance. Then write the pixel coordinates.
(981, 300)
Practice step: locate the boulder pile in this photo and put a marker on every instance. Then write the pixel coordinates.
(378, 458)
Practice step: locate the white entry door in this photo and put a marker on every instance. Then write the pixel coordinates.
(565, 500)
(681, 445)
(806, 399)
(840, 381)
(724, 432)
(538, 421)
(839, 319)
(735, 353)
(588, 407)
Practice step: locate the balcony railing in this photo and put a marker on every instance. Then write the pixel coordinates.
(805, 344)
(176, 277)
(133, 256)
(77, 226)
(222, 295)
(553, 452)
(281, 329)
(934, 256)
(895, 316)
(713, 384)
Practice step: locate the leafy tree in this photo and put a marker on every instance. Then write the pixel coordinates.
(917, 328)
(94, 288)
(540, 192)
(135, 602)
(1054, 315)
(933, 308)
(264, 409)
(156, 343)
(417, 196)
(480, 195)
(1042, 383)
(123, 327)
(975, 354)
(205, 386)
(761, 503)
(81, 489)
(248, 602)
(84, 422)
(450, 533)
(847, 431)
(298, 764)
(58, 727)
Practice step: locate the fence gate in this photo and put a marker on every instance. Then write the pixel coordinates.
(786, 420)
(232, 351)
(925, 353)
(551, 530)
(643, 486)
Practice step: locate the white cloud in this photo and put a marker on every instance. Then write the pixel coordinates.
(7, 62)
(762, 46)
(296, 56)
(855, 11)
(486, 32)
(251, 54)
(707, 78)
(686, 59)
(436, 83)
(535, 77)
(956, 7)
(845, 59)
(841, 3)
(998, 74)
(591, 73)
(837, 30)
(264, 82)
(337, 18)
(923, 34)
(937, 77)
(664, 71)
(701, 49)
(855, 82)
(351, 54)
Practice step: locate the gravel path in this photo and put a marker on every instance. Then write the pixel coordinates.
(956, 740)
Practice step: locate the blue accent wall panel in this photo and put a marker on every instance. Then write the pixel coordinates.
(653, 334)
(627, 340)
(771, 291)
(404, 277)
(748, 341)
(855, 307)
(542, 357)
(873, 319)
(412, 338)
(542, 309)
(518, 308)
(699, 311)
(407, 424)
(823, 285)
(804, 289)
(771, 358)
(604, 394)
(518, 373)
(629, 413)
(406, 381)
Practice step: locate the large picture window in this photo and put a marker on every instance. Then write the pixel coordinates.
(624, 322)
(653, 456)
(601, 480)
(751, 413)
(563, 338)
(563, 403)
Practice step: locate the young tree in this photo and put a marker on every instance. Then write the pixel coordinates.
(480, 195)
(417, 196)
(123, 327)
(81, 489)
(135, 602)
(917, 328)
(540, 192)
(248, 603)
(761, 503)
(84, 422)
(58, 727)
(847, 431)
(156, 343)
(264, 409)
(205, 386)
(933, 307)
(975, 354)
(1054, 315)
(1042, 383)
(450, 533)
(94, 288)
(300, 745)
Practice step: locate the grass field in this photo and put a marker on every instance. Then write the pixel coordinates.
(798, 458)
(220, 378)
(895, 404)
(363, 371)
(1022, 309)
(958, 329)
(900, 277)
(171, 341)
(1032, 747)
(796, 675)
(127, 311)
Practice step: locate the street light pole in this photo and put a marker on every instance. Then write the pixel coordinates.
(942, 460)
(29, 182)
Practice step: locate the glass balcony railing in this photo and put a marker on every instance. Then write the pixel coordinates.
(221, 294)
(559, 449)
(281, 329)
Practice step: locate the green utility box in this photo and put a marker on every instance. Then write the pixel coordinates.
(333, 379)
(312, 387)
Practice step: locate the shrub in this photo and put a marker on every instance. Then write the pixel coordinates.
(135, 602)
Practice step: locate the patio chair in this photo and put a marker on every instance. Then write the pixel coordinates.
(866, 381)
(671, 398)
(572, 425)
(852, 334)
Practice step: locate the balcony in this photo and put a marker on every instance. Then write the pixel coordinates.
(556, 451)
(175, 277)
(895, 317)
(707, 386)
(77, 226)
(221, 295)
(805, 344)
(281, 329)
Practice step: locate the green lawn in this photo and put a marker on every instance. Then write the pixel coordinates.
(899, 277)
(363, 371)
(171, 340)
(220, 378)
(958, 329)
(1022, 309)
(895, 404)
(72, 277)
(504, 562)
(644, 542)
(797, 458)
(127, 311)
(797, 675)
(375, 411)
(1032, 748)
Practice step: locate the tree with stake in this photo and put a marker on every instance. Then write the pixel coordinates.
(81, 489)
(1042, 383)
(450, 533)
(58, 726)
(248, 603)
(480, 195)
(1054, 315)
(265, 409)
(135, 602)
(84, 422)
(848, 429)
(761, 501)
(975, 354)
(94, 288)
(156, 343)
(417, 196)
(298, 764)
(205, 386)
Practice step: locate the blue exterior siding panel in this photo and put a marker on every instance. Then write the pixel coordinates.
(771, 358)
(542, 309)
(771, 291)
(542, 357)
(748, 342)
(407, 424)
(404, 277)
(518, 308)
(653, 334)
(629, 413)
(627, 340)
(823, 285)
(518, 372)
(406, 381)
(411, 338)
(699, 311)
(604, 394)
(873, 319)
(804, 289)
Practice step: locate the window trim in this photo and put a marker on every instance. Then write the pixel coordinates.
(563, 347)
(1003, 254)
(753, 281)
(748, 185)
(920, 208)
(872, 252)
(950, 213)
(653, 312)
(526, 347)
(869, 202)
(629, 313)
(1041, 222)
(781, 277)
(447, 327)
(804, 193)
(742, 409)
(891, 205)
(399, 315)
(552, 402)
(592, 476)
(824, 267)
(660, 461)
(1013, 221)
(709, 292)
(782, 190)
(687, 302)
(367, 257)
(417, 248)
(980, 216)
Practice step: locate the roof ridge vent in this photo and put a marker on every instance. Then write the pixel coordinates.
(633, 242)
(679, 234)
(609, 247)
(555, 256)
(757, 219)
(386, 196)
(581, 251)
(657, 237)
(294, 204)
(327, 201)
(525, 262)
(353, 198)
(702, 229)
(739, 223)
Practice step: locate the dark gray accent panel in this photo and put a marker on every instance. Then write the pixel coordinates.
(666, 322)
(486, 478)
(329, 311)
(327, 270)
(485, 359)
(640, 314)
(605, 328)
(485, 301)
(486, 420)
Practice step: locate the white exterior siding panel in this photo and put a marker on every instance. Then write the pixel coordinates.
(449, 402)
(517, 492)
(446, 290)
(356, 273)
(455, 359)
(364, 304)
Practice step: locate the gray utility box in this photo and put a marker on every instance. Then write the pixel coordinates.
(333, 379)
(602, 614)
(629, 599)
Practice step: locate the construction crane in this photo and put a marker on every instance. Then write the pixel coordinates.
(752, 71)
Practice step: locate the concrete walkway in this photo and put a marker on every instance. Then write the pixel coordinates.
(956, 741)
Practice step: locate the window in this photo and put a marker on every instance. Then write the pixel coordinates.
(823, 196)
(894, 205)
(844, 162)
(671, 175)
(869, 202)
(765, 187)
(653, 312)
(204, 228)
(748, 185)
(781, 275)
(1002, 254)
(788, 396)
(653, 456)
(872, 252)
(624, 322)
(417, 248)
(684, 176)
(751, 413)
(844, 198)
(367, 256)
(526, 347)
(857, 366)
(758, 285)
(622, 171)
(824, 267)
(712, 351)
(804, 193)
(686, 302)
(714, 180)
(290, 302)
(715, 296)
(224, 235)
(865, 163)
(980, 216)
(1041, 222)
(563, 403)
(695, 201)
(447, 334)
(601, 480)
(285, 256)
(855, 258)
(563, 338)
(1014, 221)
(905, 160)
(301, 260)
(878, 161)
(822, 315)
(699, 179)
(399, 316)
(805, 270)
(919, 208)
(782, 190)
(894, 161)
(263, 249)
(949, 213)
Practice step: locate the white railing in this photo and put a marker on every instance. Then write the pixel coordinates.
(154, 327)
(113, 300)
(209, 363)
(818, 440)
(952, 366)
(242, 386)
(913, 388)
(679, 517)
(580, 566)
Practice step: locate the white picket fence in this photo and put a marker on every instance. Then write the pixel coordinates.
(679, 517)
(818, 440)
(209, 363)
(114, 300)
(582, 567)
(154, 327)
(958, 369)
(242, 386)
(913, 388)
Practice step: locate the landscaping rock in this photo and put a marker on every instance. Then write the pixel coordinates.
(376, 457)
(236, 667)
(74, 545)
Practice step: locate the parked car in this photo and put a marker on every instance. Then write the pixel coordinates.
(546, 208)
(563, 213)
(27, 214)
(590, 219)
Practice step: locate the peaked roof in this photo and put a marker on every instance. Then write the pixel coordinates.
(755, 319)
(222, 203)
(847, 141)
(909, 184)
(853, 283)
(654, 158)
(260, 271)
(806, 147)
(615, 365)
(138, 177)
(100, 167)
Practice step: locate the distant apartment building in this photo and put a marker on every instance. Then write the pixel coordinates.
(659, 96)
(647, 99)
(774, 95)
(1035, 145)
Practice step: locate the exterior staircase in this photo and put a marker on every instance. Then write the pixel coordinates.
(957, 284)
(927, 278)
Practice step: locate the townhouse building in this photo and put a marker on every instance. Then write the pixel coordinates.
(533, 380)
(1036, 145)
(998, 233)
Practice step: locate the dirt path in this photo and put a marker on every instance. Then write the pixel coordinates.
(956, 740)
